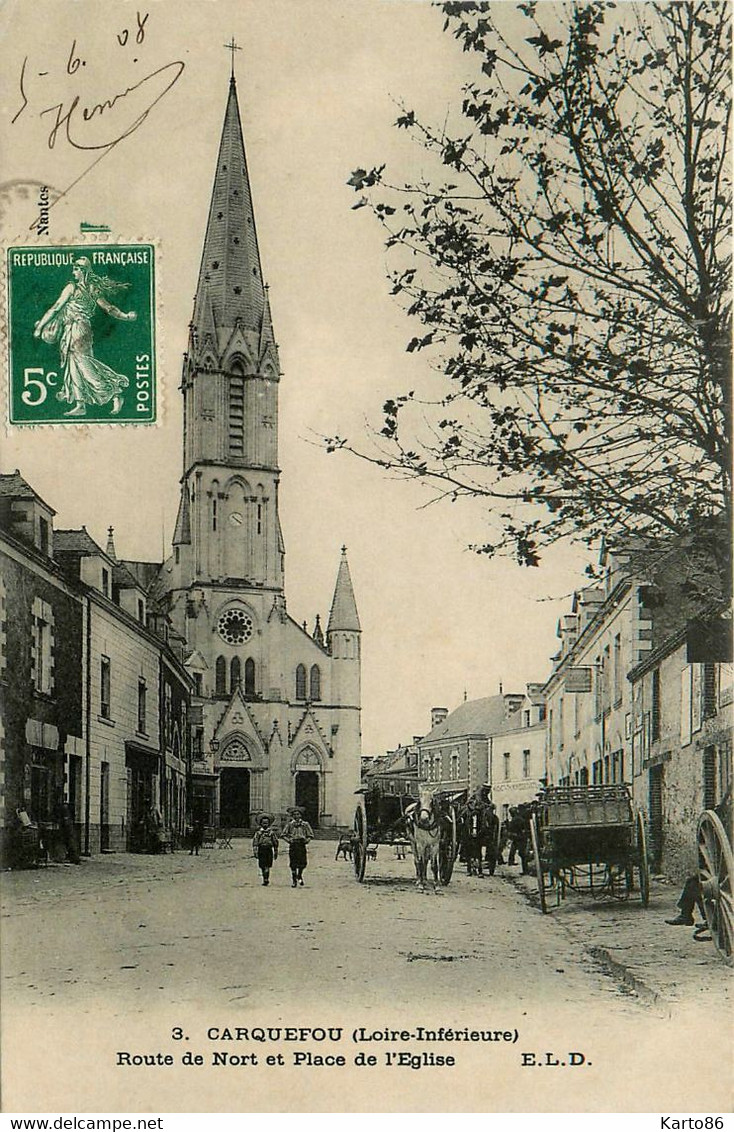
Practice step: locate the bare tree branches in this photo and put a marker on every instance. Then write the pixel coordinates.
(572, 278)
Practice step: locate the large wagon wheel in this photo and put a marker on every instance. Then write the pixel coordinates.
(715, 869)
(538, 863)
(447, 846)
(643, 865)
(359, 849)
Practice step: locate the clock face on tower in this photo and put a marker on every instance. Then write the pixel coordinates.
(235, 519)
(235, 626)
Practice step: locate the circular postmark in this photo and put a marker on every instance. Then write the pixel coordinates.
(25, 207)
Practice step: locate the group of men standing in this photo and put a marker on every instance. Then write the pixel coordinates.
(483, 838)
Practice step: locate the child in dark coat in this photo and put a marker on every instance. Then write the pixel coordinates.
(265, 847)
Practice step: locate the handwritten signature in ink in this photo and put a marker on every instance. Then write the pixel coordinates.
(69, 117)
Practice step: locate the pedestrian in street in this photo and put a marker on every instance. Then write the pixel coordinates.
(297, 833)
(197, 837)
(690, 899)
(265, 847)
(68, 832)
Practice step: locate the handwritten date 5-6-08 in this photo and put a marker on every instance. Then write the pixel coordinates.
(96, 121)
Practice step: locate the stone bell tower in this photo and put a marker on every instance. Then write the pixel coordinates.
(276, 716)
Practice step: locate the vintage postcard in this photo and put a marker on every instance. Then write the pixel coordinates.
(365, 589)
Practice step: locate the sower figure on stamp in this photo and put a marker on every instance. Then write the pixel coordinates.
(86, 380)
(265, 847)
(297, 833)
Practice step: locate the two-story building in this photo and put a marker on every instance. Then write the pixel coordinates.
(682, 737)
(517, 753)
(94, 702)
(588, 697)
(455, 754)
(640, 691)
(42, 677)
(395, 772)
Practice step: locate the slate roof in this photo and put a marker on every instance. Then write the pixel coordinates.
(77, 542)
(144, 572)
(123, 578)
(487, 716)
(13, 486)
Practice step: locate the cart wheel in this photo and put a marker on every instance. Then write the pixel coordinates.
(715, 868)
(642, 862)
(447, 848)
(538, 863)
(359, 855)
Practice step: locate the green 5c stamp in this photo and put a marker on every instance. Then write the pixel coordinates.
(82, 334)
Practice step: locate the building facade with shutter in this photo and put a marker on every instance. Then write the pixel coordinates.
(93, 696)
(682, 731)
(641, 692)
(41, 675)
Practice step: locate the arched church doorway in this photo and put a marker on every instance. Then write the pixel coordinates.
(234, 797)
(307, 795)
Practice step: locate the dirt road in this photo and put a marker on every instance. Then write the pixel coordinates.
(116, 954)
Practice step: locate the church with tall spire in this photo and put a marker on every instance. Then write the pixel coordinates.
(276, 714)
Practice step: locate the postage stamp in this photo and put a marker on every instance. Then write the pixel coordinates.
(81, 334)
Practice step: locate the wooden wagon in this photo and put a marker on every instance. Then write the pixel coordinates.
(589, 839)
(379, 819)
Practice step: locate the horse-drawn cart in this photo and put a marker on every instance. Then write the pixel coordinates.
(588, 839)
(382, 819)
(715, 869)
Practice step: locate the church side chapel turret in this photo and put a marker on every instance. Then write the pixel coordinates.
(276, 715)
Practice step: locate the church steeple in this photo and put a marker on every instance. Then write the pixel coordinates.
(230, 275)
(228, 515)
(294, 699)
(343, 637)
(343, 616)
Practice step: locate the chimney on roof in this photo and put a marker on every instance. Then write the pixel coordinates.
(438, 714)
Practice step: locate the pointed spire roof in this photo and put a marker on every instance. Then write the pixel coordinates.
(182, 533)
(230, 276)
(343, 614)
(110, 548)
(266, 329)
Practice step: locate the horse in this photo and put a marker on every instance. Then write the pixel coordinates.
(423, 820)
(519, 832)
(473, 821)
(479, 834)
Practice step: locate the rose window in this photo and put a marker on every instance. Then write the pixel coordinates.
(235, 626)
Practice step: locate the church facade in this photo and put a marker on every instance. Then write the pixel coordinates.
(276, 711)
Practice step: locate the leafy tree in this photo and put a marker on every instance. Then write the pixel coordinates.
(570, 266)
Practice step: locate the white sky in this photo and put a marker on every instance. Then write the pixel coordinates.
(316, 82)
